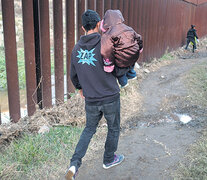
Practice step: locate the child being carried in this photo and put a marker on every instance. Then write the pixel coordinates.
(120, 47)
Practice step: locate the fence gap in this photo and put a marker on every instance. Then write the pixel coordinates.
(37, 52)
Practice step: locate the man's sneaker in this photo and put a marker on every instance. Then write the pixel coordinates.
(117, 160)
(71, 173)
(132, 78)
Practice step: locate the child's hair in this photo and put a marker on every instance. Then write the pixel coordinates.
(90, 19)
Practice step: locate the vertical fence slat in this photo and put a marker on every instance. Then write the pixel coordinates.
(126, 11)
(135, 19)
(58, 50)
(11, 59)
(100, 7)
(91, 4)
(45, 52)
(159, 30)
(107, 5)
(131, 13)
(140, 26)
(114, 4)
(29, 49)
(81, 10)
(121, 5)
(70, 40)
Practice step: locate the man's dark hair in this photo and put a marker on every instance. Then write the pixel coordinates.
(90, 19)
(192, 26)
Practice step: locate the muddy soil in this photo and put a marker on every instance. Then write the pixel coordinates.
(154, 140)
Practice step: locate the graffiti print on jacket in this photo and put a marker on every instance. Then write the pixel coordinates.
(86, 56)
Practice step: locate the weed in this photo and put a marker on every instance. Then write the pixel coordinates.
(21, 69)
(34, 151)
(197, 84)
(167, 56)
(196, 165)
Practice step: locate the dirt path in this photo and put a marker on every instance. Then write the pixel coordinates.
(157, 140)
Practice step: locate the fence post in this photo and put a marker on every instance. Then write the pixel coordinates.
(121, 5)
(58, 50)
(70, 40)
(29, 48)
(11, 58)
(126, 11)
(100, 7)
(91, 4)
(107, 5)
(81, 10)
(114, 4)
(45, 52)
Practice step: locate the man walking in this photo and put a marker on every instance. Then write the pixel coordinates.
(192, 37)
(101, 93)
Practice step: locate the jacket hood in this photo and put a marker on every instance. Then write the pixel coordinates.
(89, 41)
(111, 18)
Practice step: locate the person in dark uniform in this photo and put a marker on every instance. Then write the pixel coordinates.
(192, 37)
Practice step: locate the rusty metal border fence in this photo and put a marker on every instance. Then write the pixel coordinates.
(163, 25)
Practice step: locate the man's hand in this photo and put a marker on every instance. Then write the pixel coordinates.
(81, 93)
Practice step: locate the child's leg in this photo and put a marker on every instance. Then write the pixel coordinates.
(123, 80)
(131, 73)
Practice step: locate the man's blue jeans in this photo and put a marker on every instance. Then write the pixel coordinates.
(111, 112)
(123, 80)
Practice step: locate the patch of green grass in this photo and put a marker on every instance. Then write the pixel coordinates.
(196, 167)
(2, 69)
(21, 69)
(167, 56)
(197, 84)
(32, 152)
